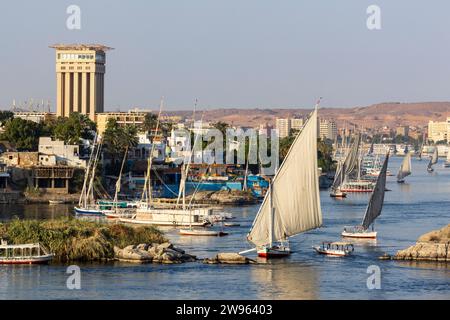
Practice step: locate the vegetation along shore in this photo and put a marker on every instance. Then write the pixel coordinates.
(72, 239)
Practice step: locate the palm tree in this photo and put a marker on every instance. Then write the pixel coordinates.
(117, 139)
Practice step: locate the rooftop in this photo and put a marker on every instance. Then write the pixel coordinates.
(93, 46)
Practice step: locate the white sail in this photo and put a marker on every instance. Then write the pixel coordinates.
(377, 198)
(405, 167)
(295, 192)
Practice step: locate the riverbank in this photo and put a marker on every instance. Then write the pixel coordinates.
(72, 239)
(432, 246)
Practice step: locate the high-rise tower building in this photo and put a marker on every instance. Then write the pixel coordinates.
(80, 84)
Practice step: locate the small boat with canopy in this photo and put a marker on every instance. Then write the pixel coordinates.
(336, 249)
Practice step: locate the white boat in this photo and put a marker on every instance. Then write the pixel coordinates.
(405, 168)
(292, 204)
(202, 232)
(373, 209)
(336, 249)
(55, 202)
(32, 253)
(433, 160)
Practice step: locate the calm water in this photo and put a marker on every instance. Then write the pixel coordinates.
(420, 205)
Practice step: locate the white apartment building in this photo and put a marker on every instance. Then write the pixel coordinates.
(55, 152)
(327, 129)
(439, 130)
(285, 126)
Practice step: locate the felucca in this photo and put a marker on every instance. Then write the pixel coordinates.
(433, 160)
(373, 209)
(86, 204)
(292, 204)
(405, 168)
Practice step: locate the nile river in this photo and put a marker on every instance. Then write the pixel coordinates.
(420, 205)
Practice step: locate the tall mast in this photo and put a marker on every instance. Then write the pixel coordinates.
(147, 192)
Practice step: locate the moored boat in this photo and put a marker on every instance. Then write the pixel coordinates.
(33, 253)
(202, 232)
(55, 202)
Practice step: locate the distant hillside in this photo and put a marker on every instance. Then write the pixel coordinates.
(391, 114)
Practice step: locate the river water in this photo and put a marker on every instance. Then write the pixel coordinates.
(420, 205)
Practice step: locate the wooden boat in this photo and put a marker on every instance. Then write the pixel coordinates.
(336, 249)
(405, 168)
(202, 232)
(55, 202)
(292, 204)
(373, 208)
(231, 224)
(357, 186)
(32, 253)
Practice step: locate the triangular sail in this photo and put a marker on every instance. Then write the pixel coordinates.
(295, 192)
(405, 167)
(351, 162)
(377, 198)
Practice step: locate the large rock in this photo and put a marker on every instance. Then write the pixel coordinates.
(132, 255)
(228, 258)
(432, 246)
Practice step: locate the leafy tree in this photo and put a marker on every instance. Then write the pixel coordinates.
(5, 116)
(23, 134)
(77, 126)
(150, 122)
(222, 127)
(117, 139)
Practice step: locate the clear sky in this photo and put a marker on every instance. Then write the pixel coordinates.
(235, 53)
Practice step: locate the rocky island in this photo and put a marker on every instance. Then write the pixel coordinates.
(432, 246)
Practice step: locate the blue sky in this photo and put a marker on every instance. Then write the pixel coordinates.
(235, 53)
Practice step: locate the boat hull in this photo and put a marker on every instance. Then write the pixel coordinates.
(90, 212)
(204, 233)
(32, 260)
(360, 235)
(162, 223)
(273, 252)
(333, 253)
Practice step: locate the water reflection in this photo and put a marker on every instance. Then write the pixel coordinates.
(284, 280)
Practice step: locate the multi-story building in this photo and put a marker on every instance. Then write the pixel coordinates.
(80, 70)
(37, 117)
(403, 131)
(327, 129)
(297, 123)
(56, 152)
(439, 130)
(283, 126)
(136, 118)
